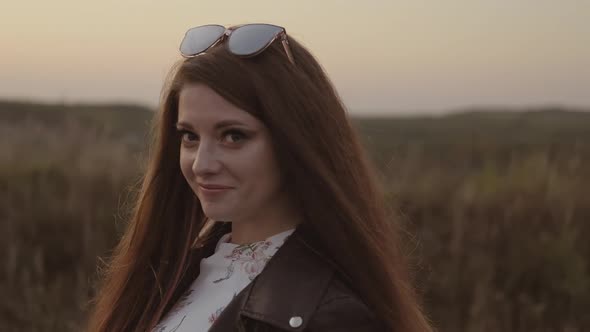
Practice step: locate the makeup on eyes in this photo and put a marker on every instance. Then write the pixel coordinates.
(244, 134)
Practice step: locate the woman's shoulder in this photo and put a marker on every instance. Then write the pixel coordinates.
(340, 309)
(308, 293)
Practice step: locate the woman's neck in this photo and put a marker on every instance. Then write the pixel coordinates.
(243, 233)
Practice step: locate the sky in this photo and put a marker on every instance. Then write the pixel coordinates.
(384, 57)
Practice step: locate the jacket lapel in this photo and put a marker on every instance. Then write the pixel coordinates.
(289, 288)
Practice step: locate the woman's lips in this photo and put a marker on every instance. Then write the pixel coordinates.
(213, 186)
(213, 192)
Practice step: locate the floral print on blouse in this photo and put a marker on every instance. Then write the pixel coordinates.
(251, 258)
(222, 276)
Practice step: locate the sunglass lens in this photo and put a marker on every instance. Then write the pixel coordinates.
(250, 39)
(199, 39)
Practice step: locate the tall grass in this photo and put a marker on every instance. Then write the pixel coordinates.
(62, 203)
(498, 225)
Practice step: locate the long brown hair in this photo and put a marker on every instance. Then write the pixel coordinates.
(330, 178)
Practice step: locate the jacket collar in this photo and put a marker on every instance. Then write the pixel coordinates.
(291, 285)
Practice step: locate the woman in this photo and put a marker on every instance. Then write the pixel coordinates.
(259, 209)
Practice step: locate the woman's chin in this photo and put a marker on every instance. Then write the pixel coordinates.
(215, 214)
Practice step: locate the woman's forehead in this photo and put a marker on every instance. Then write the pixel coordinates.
(200, 104)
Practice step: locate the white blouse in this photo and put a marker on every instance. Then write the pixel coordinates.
(222, 276)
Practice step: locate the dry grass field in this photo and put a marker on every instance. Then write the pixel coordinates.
(496, 203)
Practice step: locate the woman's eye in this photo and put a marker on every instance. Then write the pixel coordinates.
(229, 136)
(235, 135)
(190, 137)
(187, 136)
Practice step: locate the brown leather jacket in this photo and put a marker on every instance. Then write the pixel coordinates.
(298, 290)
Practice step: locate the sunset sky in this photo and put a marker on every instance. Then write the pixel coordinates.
(383, 56)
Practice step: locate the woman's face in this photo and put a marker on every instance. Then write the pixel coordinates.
(223, 145)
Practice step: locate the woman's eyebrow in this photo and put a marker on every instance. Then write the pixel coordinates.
(218, 125)
(227, 123)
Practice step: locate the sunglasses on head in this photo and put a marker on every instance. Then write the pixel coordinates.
(243, 40)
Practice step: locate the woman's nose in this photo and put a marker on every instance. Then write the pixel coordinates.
(206, 159)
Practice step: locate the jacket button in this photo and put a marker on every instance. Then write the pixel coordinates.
(295, 321)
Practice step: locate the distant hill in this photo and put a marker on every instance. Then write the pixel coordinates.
(548, 125)
(117, 119)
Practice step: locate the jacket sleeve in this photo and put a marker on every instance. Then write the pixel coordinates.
(344, 313)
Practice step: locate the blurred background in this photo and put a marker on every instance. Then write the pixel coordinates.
(476, 113)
